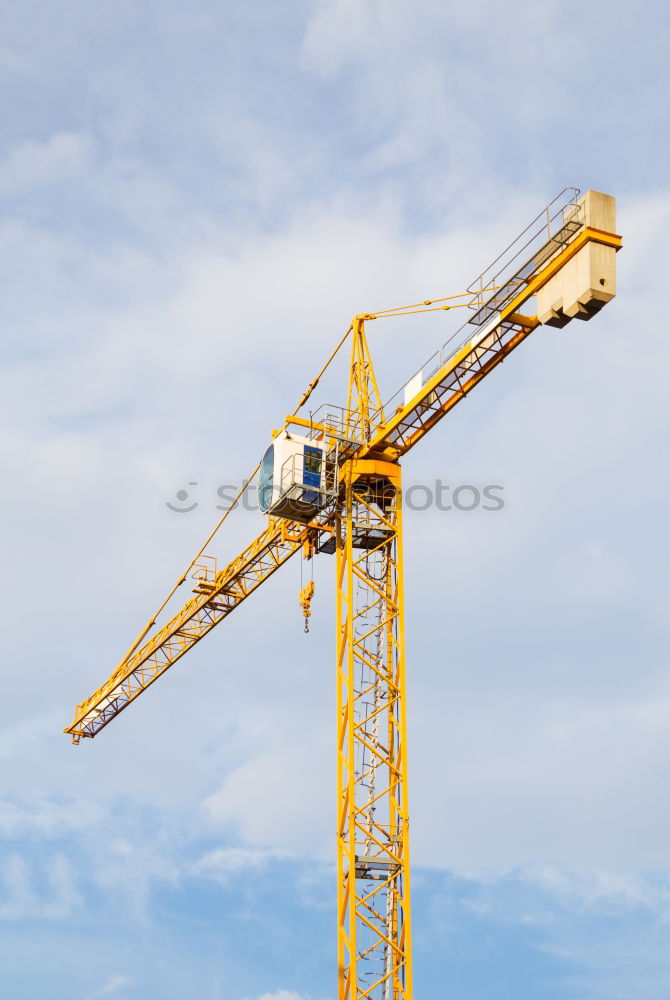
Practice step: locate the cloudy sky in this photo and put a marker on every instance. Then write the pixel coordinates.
(194, 199)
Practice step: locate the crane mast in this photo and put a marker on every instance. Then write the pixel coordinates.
(374, 929)
(349, 479)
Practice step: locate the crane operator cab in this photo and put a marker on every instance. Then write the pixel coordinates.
(291, 482)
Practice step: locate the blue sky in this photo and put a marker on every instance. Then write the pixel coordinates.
(194, 199)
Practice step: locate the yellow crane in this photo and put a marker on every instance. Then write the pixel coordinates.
(331, 483)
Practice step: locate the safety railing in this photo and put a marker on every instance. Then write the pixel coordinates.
(543, 238)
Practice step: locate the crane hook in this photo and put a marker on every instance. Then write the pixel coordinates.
(305, 599)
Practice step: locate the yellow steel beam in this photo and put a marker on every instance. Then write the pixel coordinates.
(192, 622)
(374, 939)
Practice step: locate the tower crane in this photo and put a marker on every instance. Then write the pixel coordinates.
(330, 483)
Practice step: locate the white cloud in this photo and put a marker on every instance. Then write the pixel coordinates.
(601, 891)
(43, 817)
(115, 984)
(279, 797)
(281, 995)
(63, 157)
(480, 908)
(47, 891)
(12, 62)
(420, 94)
(224, 862)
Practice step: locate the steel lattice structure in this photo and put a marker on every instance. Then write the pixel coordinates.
(564, 259)
(374, 937)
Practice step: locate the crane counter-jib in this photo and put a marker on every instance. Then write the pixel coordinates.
(464, 367)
